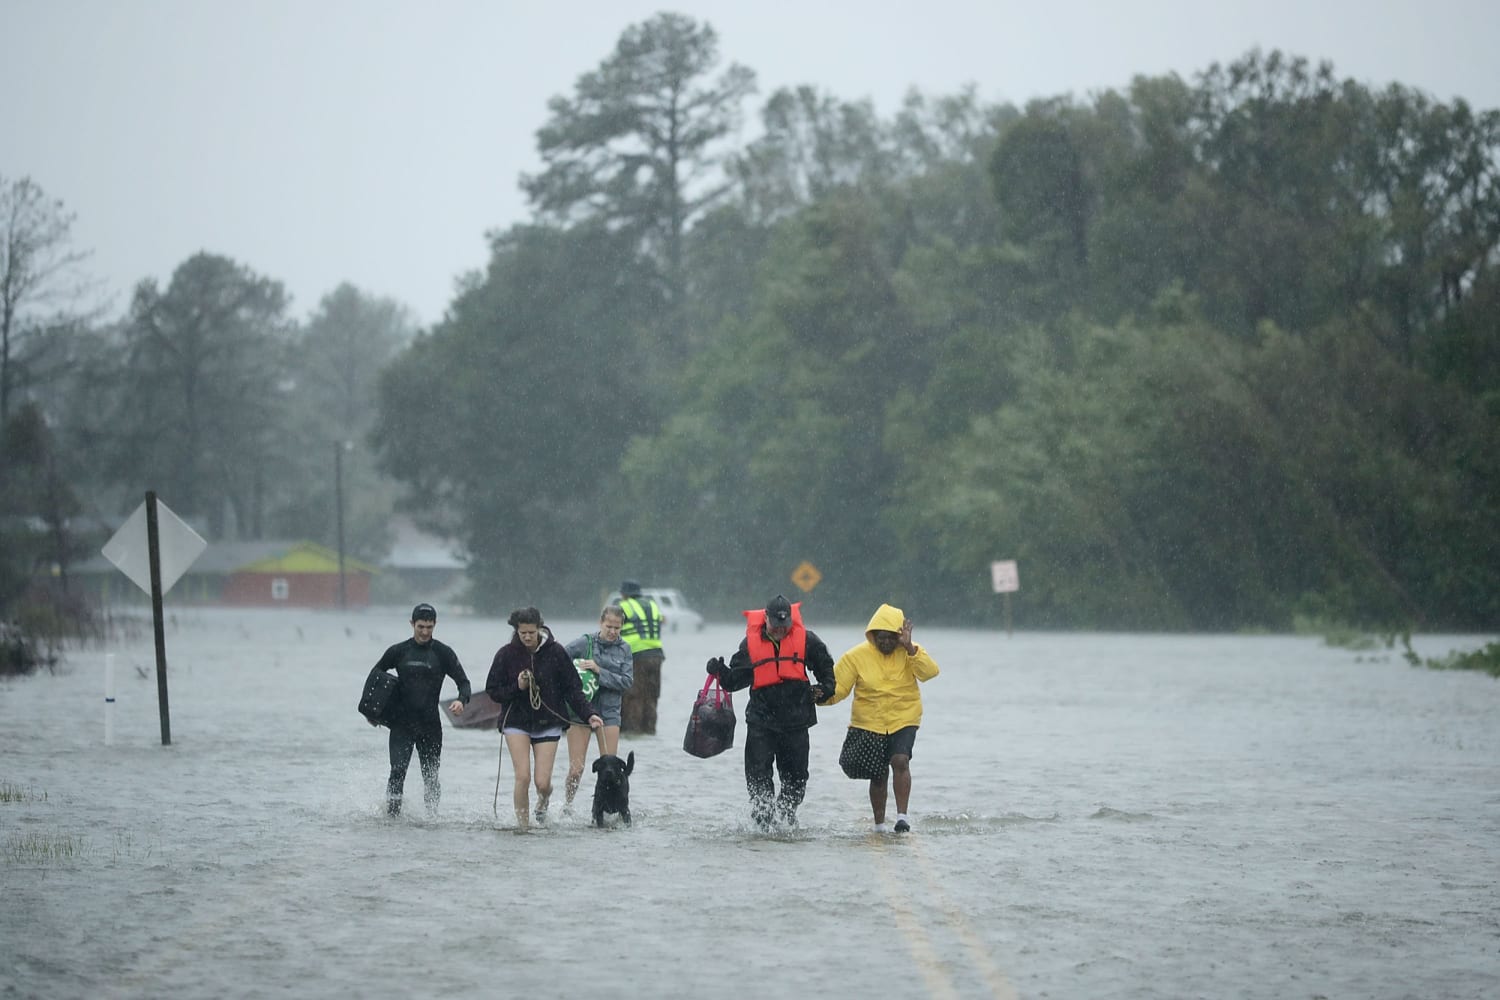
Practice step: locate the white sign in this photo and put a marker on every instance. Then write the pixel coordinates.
(179, 546)
(1004, 576)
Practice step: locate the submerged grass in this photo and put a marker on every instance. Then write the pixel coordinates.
(15, 793)
(55, 847)
(38, 847)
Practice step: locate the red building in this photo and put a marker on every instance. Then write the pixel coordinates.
(301, 575)
(274, 574)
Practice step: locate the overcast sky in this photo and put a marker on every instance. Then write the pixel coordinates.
(321, 141)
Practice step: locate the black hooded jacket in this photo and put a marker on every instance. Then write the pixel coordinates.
(556, 680)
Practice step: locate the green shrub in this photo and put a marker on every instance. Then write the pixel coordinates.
(1486, 658)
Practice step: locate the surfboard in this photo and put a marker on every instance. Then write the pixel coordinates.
(481, 712)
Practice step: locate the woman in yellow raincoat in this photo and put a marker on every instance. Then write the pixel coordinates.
(883, 673)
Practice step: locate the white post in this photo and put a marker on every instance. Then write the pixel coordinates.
(109, 699)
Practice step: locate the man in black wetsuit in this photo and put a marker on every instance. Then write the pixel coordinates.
(421, 663)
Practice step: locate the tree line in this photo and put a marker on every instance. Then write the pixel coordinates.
(1207, 354)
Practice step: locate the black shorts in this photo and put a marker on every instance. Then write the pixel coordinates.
(866, 755)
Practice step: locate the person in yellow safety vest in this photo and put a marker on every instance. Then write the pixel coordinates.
(642, 631)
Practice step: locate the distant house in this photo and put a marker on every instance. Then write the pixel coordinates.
(302, 575)
(421, 566)
(268, 574)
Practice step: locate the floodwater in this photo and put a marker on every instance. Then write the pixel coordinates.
(1095, 816)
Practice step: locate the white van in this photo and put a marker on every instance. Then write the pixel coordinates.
(679, 617)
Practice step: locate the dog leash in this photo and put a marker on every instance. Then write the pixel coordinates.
(535, 693)
(499, 765)
(536, 703)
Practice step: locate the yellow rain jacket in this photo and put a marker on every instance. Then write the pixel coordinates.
(885, 687)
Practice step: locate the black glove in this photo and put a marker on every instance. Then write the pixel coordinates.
(717, 666)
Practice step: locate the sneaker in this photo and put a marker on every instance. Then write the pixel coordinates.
(902, 826)
(881, 828)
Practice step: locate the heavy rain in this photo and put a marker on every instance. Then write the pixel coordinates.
(1158, 408)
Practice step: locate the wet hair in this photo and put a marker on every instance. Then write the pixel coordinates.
(524, 616)
(613, 609)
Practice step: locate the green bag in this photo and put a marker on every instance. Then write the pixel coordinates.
(587, 678)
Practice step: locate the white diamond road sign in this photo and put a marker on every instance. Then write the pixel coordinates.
(129, 548)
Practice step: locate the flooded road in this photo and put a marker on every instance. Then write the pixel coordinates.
(1094, 816)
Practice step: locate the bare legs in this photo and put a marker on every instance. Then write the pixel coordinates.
(578, 755)
(900, 780)
(522, 751)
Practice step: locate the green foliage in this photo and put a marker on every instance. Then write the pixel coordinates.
(19, 653)
(1046, 198)
(636, 146)
(1162, 382)
(40, 292)
(332, 405)
(199, 413)
(506, 422)
(813, 147)
(1485, 659)
(1217, 354)
(38, 543)
(1339, 634)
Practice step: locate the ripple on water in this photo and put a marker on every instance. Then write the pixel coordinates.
(1122, 816)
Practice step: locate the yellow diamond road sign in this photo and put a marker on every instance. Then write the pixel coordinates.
(806, 576)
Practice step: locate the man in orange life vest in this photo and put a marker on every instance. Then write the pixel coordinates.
(773, 662)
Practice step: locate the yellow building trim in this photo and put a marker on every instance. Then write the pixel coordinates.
(306, 557)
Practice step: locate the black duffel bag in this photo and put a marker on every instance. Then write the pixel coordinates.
(379, 697)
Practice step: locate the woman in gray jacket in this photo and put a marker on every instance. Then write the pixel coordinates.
(606, 669)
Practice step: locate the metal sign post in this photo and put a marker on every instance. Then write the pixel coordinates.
(153, 548)
(154, 559)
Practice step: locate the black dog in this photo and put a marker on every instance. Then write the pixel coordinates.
(612, 789)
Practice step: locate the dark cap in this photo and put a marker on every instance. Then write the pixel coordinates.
(778, 612)
(424, 613)
(630, 588)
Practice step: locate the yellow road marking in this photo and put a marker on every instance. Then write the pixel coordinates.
(915, 938)
(919, 943)
(1000, 987)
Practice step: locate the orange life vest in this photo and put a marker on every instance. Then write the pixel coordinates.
(774, 664)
